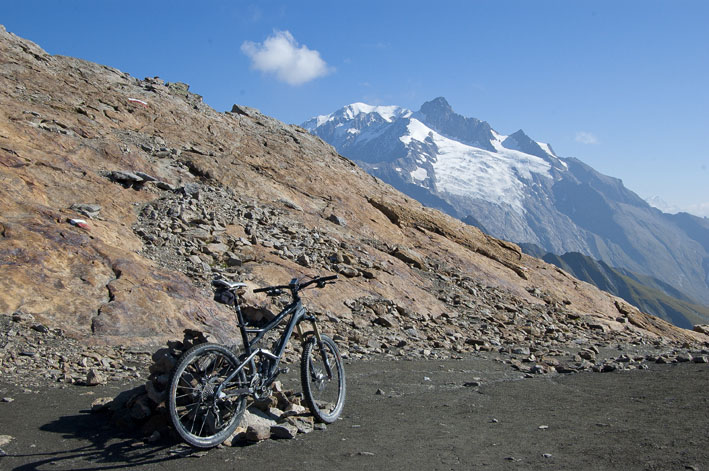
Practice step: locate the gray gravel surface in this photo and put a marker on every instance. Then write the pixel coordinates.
(455, 414)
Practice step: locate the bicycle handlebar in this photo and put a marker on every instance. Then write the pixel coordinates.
(295, 286)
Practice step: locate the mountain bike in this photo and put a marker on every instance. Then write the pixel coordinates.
(211, 383)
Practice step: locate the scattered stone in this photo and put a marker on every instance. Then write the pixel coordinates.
(337, 220)
(346, 270)
(191, 190)
(304, 260)
(289, 204)
(409, 256)
(257, 432)
(386, 320)
(5, 439)
(20, 316)
(42, 329)
(89, 210)
(146, 177)
(125, 178)
(94, 378)
(217, 249)
(684, 357)
(8, 399)
(304, 424)
(701, 328)
(283, 431)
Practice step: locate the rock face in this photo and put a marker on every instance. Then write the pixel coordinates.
(174, 194)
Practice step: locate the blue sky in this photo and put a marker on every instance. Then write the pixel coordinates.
(622, 85)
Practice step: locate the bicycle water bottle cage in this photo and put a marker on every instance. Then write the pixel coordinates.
(293, 282)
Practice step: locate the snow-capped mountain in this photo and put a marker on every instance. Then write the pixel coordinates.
(518, 189)
(467, 160)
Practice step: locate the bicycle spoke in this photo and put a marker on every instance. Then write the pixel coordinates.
(185, 395)
(186, 413)
(187, 406)
(206, 414)
(188, 385)
(194, 419)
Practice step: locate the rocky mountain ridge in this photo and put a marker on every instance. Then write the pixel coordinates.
(518, 189)
(648, 294)
(123, 198)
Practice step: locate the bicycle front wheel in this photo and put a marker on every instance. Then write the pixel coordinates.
(200, 416)
(323, 379)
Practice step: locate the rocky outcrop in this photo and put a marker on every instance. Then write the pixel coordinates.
(171, 194)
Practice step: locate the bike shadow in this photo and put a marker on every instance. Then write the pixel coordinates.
(99, 445)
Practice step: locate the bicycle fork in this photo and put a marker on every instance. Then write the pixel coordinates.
(321, 345)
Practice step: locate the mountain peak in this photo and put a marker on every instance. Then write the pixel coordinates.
(520, 135)
(388, 113)
(435, 106)
(439, 116)
(523, 143)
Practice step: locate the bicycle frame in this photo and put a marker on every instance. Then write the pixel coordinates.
(297, 313)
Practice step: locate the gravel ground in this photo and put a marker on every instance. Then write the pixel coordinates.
(475, 413)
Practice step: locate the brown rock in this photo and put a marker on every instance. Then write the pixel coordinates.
(304, 424)
(701, 328)
(281, 431)
(386, 320)
(257, 433)
(94, 378)
(409, 256)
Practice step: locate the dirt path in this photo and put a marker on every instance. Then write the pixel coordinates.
(427, 418)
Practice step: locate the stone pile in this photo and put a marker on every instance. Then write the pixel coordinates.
(144, 409)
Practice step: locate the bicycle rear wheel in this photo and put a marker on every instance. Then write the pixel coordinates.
(323, 379)
(200, 417)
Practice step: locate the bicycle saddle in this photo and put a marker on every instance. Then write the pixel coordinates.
(230, 285)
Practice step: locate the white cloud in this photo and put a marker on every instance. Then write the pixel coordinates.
(586, 138)
(697, 209)
(281, 55)
(662, 205)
